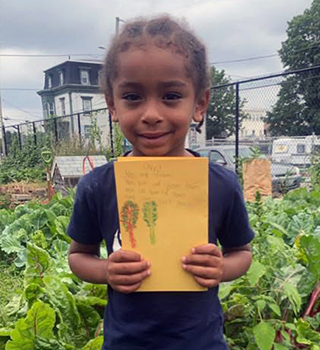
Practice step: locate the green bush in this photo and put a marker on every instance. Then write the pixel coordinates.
(22, 165)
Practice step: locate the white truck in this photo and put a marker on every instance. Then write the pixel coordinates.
(296, 151)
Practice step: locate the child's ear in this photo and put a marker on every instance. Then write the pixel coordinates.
(201, 105)
(112, 108)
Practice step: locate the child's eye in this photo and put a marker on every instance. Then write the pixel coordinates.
(172, 96)
(131, 97)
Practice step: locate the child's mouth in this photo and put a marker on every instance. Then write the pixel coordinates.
(154, 136)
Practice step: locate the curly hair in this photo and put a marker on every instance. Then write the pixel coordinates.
(165, 33)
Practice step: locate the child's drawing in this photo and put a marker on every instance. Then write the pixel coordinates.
(150, 216)
(129, 218)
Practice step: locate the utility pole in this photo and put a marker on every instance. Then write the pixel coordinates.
(118, 20)
(117, 25)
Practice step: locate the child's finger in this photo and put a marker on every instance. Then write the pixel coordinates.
(129, 268)
(204, 272)
(127, 280)
(202, 260)
(209, 248)
(124, 256)
(127, 289)
(208, 283)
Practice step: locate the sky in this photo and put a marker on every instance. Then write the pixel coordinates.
(231, 29)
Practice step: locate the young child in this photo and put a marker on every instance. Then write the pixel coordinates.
(156, 82)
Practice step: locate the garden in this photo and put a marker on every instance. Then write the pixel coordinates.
(275, 306)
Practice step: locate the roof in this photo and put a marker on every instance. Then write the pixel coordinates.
(84, 61)
(71, 166)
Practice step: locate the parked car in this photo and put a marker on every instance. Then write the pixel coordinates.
(284, 176)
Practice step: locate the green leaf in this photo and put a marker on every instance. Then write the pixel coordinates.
(280, 347)
(61, 223)
(275, 308)
(39, 322)
(256, 271)
(33, 292)
(91, 319)
(261, 304)
(63, 303)
(48, 344)
(38, 219)
(5, 332)
(10, 244)
(306, 335)
(38, 264)
(224, 290)
(311, 246)
(264, 335)
(94, 344)
(293, 295)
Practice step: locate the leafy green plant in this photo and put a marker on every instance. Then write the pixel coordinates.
(129, 218)
(270, 307)
(150, 216)
(53, 309)
(275, 306)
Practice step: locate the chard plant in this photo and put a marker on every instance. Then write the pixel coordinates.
(150, 216)
(129, 217)
(275, 306)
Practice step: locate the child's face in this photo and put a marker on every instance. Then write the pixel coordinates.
(154, 101)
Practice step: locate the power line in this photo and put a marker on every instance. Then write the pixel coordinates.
(49, 55)
(20, 109)
(18, 89)
(266, 56)
(245, 59)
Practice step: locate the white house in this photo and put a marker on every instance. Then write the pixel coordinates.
(73, 87)
(253, 126)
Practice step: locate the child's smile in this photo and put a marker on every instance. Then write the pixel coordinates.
(154, 101)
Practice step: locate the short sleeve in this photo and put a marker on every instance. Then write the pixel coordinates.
(235, 230)
(83, 227)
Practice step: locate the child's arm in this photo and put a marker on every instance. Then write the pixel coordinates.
(124, 270)
(210, 267)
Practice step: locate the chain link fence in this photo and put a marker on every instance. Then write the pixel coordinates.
(279, 115)
(78, 132)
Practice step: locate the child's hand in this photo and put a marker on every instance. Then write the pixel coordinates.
(126, 270)
(205, 263)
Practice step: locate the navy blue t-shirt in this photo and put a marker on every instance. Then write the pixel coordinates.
(160, 320)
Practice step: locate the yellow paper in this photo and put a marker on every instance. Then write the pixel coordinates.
(168, 207)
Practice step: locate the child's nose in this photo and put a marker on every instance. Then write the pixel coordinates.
(151, 114)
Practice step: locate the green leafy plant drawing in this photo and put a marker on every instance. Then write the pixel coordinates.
(150, 216)
(129, 218)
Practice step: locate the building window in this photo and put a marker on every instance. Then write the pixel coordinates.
(301, 148)
(86, 104)
(100, 77)
(63, 106)
(49, 81)
(50, 107)
(61, 77)
(84, 77)
(87, 131)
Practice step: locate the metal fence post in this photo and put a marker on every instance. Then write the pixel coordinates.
(19, 137)
(237, 127)
(79, 127)
(55, 129)
(111, 134)
(34, 133)
(4, 142)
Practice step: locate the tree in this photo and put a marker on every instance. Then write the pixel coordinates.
(297, 111)
(221, 112)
